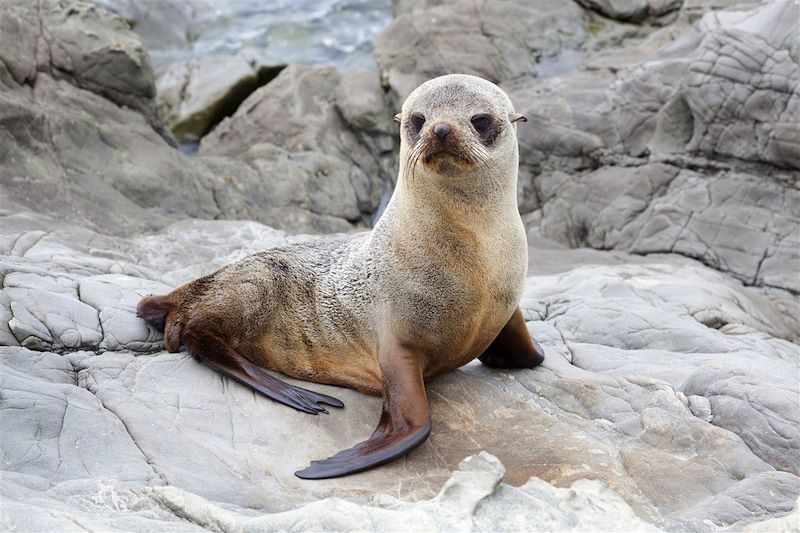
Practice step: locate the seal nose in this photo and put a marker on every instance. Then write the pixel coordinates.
(441, 130)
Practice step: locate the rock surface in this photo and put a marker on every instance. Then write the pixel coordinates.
(657, 373)
(194, 96)
(697, 148)
(75, 144)
(670, 396)
(318, 110)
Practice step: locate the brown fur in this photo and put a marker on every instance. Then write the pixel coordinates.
(426, 291)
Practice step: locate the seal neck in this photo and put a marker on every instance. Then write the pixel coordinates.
(447, 203)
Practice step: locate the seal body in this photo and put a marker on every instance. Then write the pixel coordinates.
(433, 286)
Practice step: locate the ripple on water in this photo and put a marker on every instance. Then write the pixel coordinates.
(313, 32)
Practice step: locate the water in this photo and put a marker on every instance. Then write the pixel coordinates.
(311, 32)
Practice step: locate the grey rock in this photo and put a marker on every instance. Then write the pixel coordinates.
(494, 40)
(80, 43)
(49, 415)
(315, 109)
(737, 222)
(78, 144)
(169, 25)
(686, 147)
(471, 500)
(194, 96)
(665, 380)
(784, 524)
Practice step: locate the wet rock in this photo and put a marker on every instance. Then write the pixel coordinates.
(165, 26)
(194, 96)
(82, 44)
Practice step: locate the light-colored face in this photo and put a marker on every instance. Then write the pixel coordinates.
(458, 126)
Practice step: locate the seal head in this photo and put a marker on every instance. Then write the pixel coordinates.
(458, 127)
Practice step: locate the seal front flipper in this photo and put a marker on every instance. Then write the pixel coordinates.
(514, 347)
(405, 421)
(215, 353)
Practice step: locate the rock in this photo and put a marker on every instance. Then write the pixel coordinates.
(658, 208)
(634, 10)
(586, 504)
(471, 500)
(784, 524)
(495, 40)
(162, 27)
(194, 96)
(81, 44)
(80, 143)
(675, 380)
(689, 161)
(315, 109)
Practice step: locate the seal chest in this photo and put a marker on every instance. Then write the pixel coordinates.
(433, 286)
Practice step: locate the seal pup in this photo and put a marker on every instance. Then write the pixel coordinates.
(434, 285)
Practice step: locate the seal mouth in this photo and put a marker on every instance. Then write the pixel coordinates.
(451, 158)
(440, 156)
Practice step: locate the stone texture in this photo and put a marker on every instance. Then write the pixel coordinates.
(670, 383)
(495, 40)
(317, 109)
(194, 96)
(81, 44)
(170, 25)
(692, 151)
(80, 139)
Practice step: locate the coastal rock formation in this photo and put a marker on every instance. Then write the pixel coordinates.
(667, 381)
(697, 148)
(80, 139)
(659, 185)
(194, 96)
(318, 109)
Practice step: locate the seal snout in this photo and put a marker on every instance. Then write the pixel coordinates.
(441, 130)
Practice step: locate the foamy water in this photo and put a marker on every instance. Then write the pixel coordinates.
(314, 32)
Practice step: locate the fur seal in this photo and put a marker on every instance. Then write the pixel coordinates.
(434, 285)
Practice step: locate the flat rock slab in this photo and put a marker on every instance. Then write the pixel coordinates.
(670, 385)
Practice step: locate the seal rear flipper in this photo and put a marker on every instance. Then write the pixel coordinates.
(405, 423)
(514, 347)
(154, 310)
(211, 350)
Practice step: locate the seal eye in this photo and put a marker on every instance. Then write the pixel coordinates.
(417, 121)
(482, 124)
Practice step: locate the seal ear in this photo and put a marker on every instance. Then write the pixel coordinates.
(397, 118)
(514, 117)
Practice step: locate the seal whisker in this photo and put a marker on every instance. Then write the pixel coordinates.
(416, 154)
